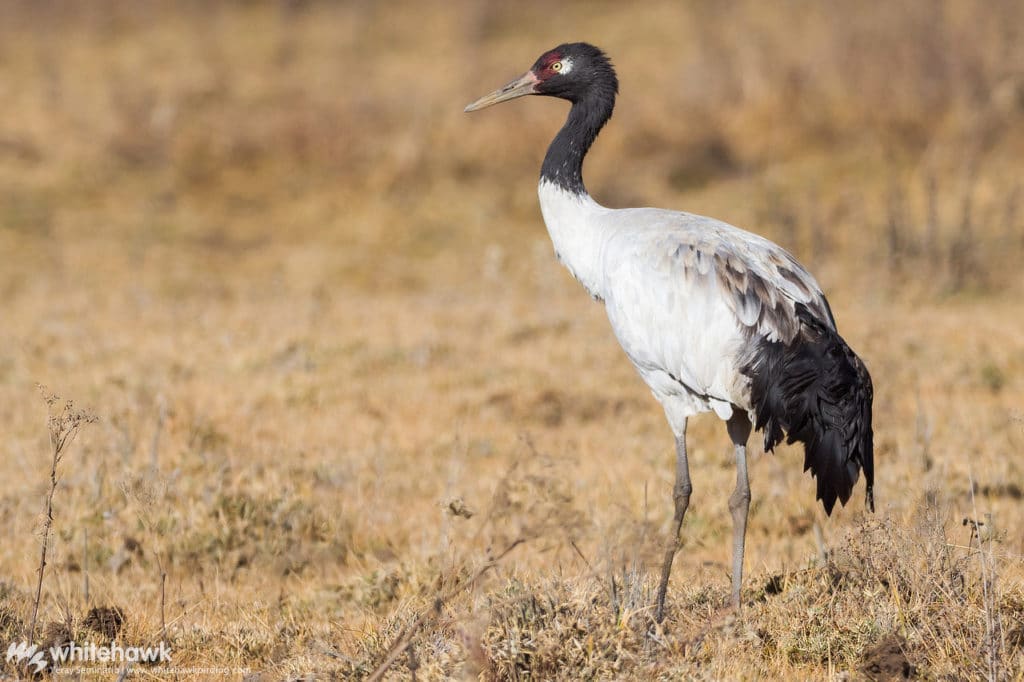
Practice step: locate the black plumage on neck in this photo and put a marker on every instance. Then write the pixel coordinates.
(563, 164)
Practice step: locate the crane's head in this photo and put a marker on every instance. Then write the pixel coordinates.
(573, 71)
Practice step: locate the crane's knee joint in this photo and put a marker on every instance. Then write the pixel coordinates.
(682, 493)
(740, 499)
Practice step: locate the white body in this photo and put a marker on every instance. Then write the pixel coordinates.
(685, 295)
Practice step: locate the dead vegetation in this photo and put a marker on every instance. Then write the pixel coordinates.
(353, 416)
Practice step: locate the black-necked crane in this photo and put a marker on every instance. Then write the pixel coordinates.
(714, 318)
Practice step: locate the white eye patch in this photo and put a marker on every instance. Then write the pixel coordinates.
(566, 66)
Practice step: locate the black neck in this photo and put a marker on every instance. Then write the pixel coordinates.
(563, 164)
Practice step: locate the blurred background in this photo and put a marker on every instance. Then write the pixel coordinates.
(313, 302)
(883, 140)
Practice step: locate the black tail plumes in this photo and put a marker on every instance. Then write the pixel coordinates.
(817, 391)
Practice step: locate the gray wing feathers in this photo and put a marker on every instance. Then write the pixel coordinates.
(760, 281)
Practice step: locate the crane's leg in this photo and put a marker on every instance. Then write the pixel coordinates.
(681, 496)
(739, 502)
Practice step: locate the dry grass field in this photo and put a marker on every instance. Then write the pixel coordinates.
(351, 412)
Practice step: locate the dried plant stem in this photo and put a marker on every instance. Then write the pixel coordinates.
(988, 586)
(163, 602)
(154, 450)
(62, 428)
(85, 565)
(47, 525)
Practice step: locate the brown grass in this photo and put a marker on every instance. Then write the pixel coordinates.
(338, 370)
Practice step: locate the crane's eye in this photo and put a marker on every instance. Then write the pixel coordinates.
(557, 66)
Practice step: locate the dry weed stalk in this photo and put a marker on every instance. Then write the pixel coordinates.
(85, 565)
(994, 645)
(963, 261)
(931, 232)
(163, 599)
(154, 450)
(63, 428)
